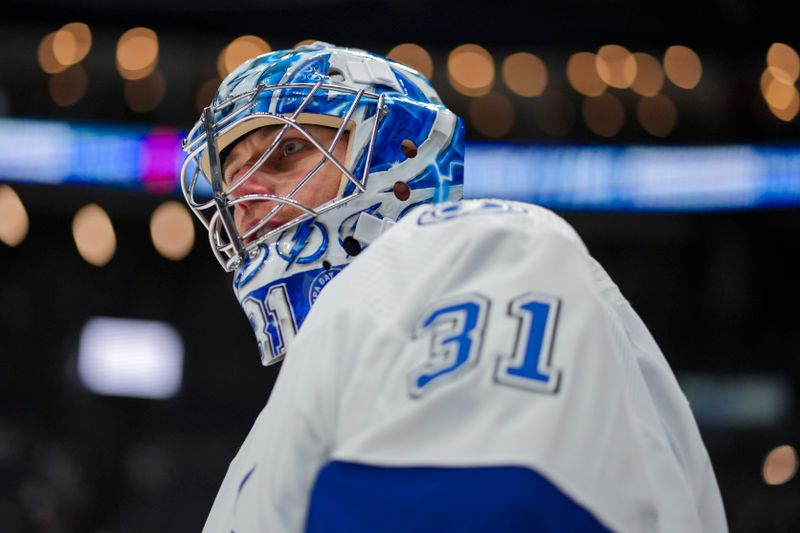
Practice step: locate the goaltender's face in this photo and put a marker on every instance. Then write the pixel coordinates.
(289, 163)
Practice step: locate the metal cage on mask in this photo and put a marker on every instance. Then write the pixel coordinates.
(239, 115)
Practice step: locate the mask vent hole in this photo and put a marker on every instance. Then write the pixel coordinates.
(401, 191)
(351, 246)
(335, 74)
(409, 148)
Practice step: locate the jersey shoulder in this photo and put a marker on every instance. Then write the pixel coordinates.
(487, 217)
(450, 248)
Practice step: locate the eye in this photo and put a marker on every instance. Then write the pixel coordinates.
(291, 147)
(229, 170)
(228, 174)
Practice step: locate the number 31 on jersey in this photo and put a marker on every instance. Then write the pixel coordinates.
(457, 327)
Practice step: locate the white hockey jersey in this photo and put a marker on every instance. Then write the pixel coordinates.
(474, 369)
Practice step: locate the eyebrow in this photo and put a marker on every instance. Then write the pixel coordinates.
(269, 132)
(226, 152)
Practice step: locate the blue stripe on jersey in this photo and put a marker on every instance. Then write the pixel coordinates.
(358, 498)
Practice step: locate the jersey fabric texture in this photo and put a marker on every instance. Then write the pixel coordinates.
(474, 369)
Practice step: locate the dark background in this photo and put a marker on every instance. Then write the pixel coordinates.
(718, 290)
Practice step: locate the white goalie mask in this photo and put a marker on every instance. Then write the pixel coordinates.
(389, 145)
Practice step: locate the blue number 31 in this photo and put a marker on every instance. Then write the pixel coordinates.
(457, 327)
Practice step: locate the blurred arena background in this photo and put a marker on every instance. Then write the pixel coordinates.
(666, 134)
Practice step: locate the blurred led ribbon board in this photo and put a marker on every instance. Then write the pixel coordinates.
(34, 151)
(559, 176)
(636, 178)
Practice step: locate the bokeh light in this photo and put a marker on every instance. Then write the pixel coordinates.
(145, 94)
(47, 59)
(414, 56)
(65, 47)
(240, 50)
(616, 66)
(172, 230)
(766, 79)
(94, 235)
(72, 43)
(525, 74)
(137, 53)
(304, 42)
(682, 66)
(582, 74)
(13, 217)
(470, 69)
(778, 93)
(604, 114)
(783, 62)
(68, 87)
(780, 465)
(781, 96)
(657, 115)
(790, 112)
(492, 114)
(649, 75)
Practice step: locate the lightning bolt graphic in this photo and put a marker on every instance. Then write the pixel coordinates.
(300, 240)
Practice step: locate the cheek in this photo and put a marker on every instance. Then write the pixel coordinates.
(330, 183)
(320, 189)
(323, 186)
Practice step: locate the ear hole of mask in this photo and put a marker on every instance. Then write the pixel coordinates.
(409, 148)
(401, 191)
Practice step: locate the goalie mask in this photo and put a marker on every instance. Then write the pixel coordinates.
(374, 140)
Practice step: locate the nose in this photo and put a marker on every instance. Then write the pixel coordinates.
(254, 185)
(247, 212)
